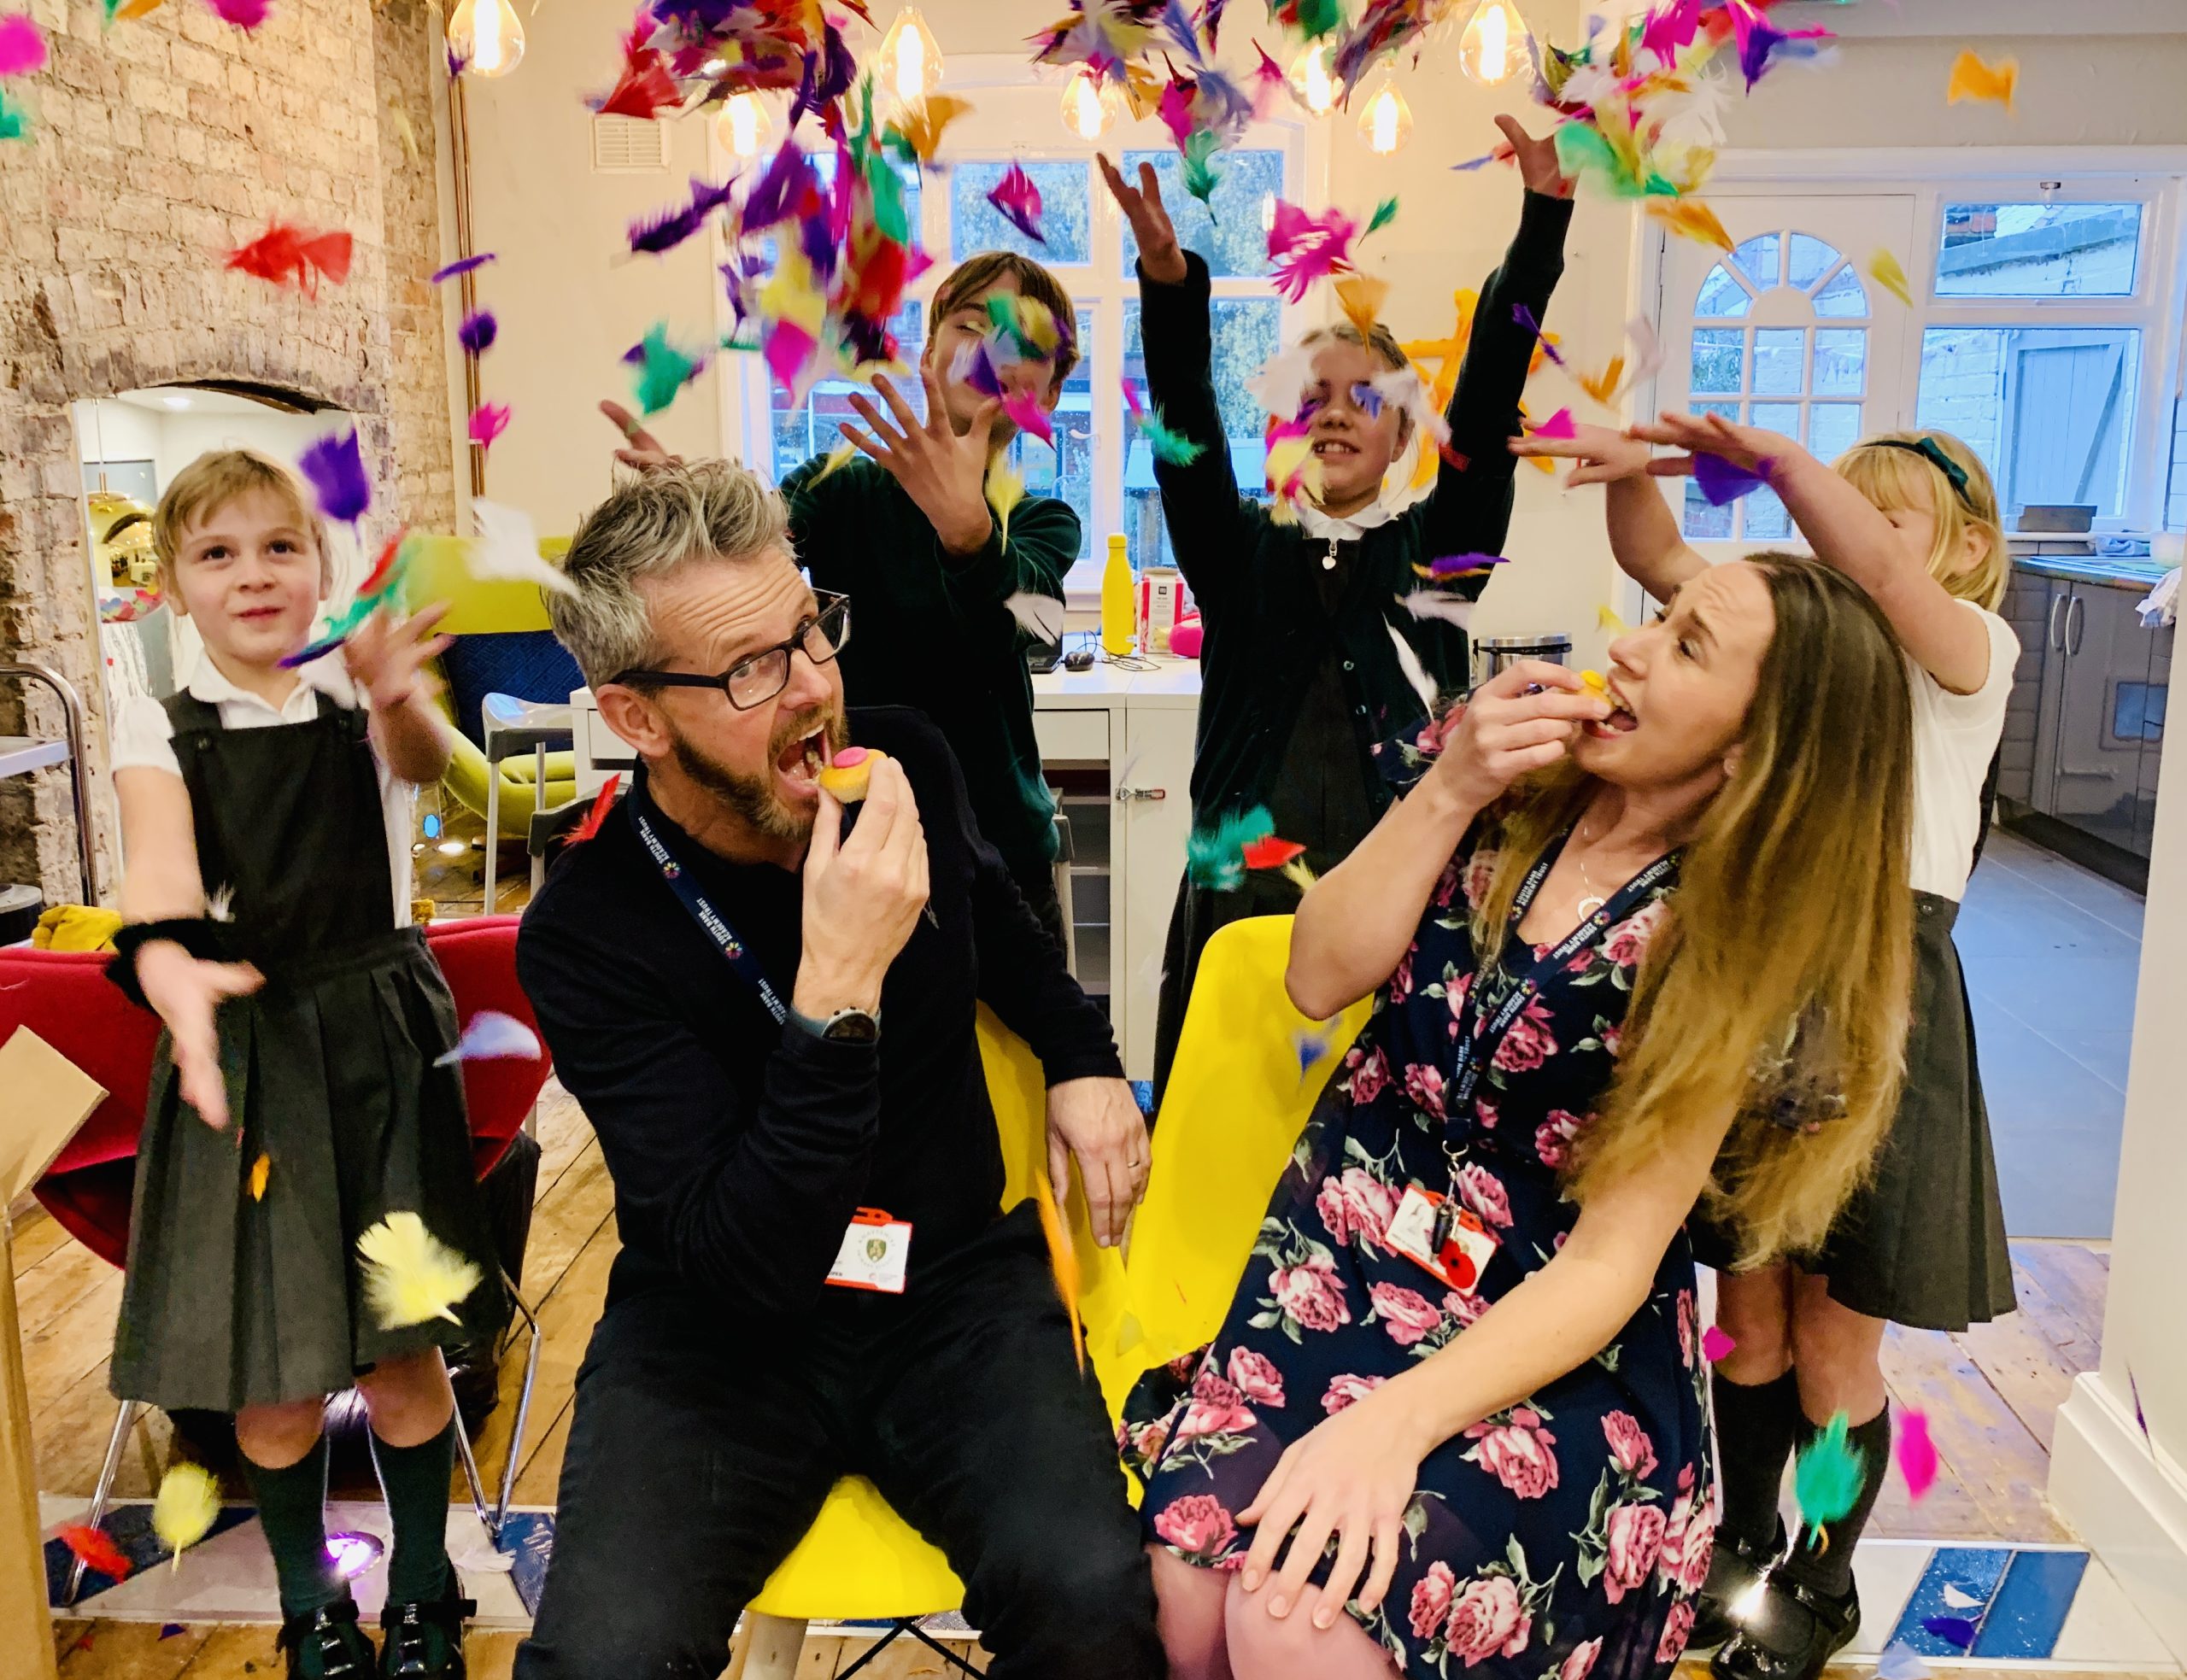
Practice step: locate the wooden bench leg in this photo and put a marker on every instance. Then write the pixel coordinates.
(767, 1648)
(25, 1627)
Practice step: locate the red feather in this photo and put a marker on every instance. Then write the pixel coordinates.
(295, 256)
(598, 814)
(1272, 852)
(97, 1549)
(376, 580)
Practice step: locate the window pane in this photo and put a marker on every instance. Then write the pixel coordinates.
(1779, 417)
(1700, 519)
(1844, 298)
(1718, 355)
(1066, 211)
(810, 427)
(1066, 471)
(1832, 429)
(1780, 356)
(1841, 360)
(2175, 504)
(1807, 260)
(1247, 331)
(2047, 409)
(1234, 238)
(1757, 260)
(1766, 519)
(2038, 250)
(1721, 296)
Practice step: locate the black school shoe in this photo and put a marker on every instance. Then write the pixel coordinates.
(424, 1638)
(326, 1644)
(1733, 1568)
(1790, 1634)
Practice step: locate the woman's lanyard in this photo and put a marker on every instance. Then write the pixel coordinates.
(710, 920)
(1479, 1040)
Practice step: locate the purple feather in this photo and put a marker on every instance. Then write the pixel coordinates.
(1954, 1630)
(663, 230)
(1722, 483)
(1458, 565)
(461, 265)
(775, 195)
(1525, 318)
(478, 332)
(1473, 163)
(974, 366)
(336, 470)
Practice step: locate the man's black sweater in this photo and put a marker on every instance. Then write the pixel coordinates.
(739, 1149)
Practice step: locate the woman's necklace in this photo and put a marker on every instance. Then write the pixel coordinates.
(1590, 900)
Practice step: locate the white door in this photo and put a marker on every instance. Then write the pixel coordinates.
(1788, 331)
(1152, 777)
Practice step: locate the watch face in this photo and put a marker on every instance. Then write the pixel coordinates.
(853, 1027)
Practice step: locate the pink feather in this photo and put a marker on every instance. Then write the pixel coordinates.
(245, 15)
(489, 420)
(22, 49)
(1026, 413)
(1559, 425)
(1917, 1454)
(1715, 1344)
(1303, 247)
(1016, 199)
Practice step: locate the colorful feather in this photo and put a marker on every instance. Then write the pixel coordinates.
(1362, 297)
(477, 332)
(1900, 1662)
(461, 265)
(1975, 78)
(15, 120)
(1887, 271)
(919, 127)
(334, 467)
(1063, 1259)
(1200, 176)
(1723, 483)
(245, 15)
(603, 802)
(1271, 852)
(1214, 856)
(22, 47)
(1172, 447)
(1460, 565)
(295, 256)
(492, 1036)
(1314, 1045)
(1297, 871)
(1041, 615)
(1916, 1453)
(1761, 44)
(661, 370)
(1440, 606)
(507, 550)
(412, 1277)
(1385, 214)
(1025, 412)
(187, 1506)
(489, 420)
(1690, 219)
(1826, 1476)
(1954, 1630)
(1303, 247)
(1017, 200)
(1005, 489)
(1560, 424)
(1528, 323)
(95, 1549)
(1716, 1344)
(260, 1170)
(1415, 672)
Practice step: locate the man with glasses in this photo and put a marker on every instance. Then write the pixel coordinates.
(765, 1004)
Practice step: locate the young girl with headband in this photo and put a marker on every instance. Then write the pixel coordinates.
(1912, 518)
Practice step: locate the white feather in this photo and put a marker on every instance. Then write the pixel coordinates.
(1435, 603)
(1647, 350)
(1041, 615)
(1280, 383)
(1415, 672)
(508, 549)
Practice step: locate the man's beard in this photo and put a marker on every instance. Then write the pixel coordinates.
(751, 800)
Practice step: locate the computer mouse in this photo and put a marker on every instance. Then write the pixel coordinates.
(1079, 658)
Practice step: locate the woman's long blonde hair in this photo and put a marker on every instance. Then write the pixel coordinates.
(1777, 987)
(1887, 471)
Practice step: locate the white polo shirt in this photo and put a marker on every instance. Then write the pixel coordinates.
(1954, 737)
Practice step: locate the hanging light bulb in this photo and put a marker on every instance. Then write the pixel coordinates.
(1310, 80)
(1495, 46)
(488, 36)
(743, 126)
(1088, 109)
(908, 66)
(1386, 120)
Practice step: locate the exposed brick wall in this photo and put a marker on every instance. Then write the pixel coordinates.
(162, 144)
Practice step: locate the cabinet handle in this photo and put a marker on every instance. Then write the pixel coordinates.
(2076, 621)
(1126, 795)
(2055, 635)
(2093, 775)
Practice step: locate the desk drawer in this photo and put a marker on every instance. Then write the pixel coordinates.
(1072, 735)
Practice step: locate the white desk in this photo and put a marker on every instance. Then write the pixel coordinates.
(1128, 823)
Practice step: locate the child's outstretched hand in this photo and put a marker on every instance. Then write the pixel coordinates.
(386, 655)
(945, 474)
(1604, 454)
(186, 990)
(1749, 448)
(1158, 252)
(1537, 160)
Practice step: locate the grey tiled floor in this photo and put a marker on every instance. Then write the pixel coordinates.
(2051, 953)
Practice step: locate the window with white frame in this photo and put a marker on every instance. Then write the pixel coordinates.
(2044, 331)
(1098, 464)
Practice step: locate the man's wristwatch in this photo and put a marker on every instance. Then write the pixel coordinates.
(845, 1027)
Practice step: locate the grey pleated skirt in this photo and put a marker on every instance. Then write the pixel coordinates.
(233, 1300)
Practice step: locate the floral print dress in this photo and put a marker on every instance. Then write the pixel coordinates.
(1564, 1538)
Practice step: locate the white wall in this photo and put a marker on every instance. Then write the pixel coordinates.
(125, 432)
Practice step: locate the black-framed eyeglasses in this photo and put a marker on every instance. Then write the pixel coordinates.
(757, 678)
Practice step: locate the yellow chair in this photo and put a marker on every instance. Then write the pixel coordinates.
(487, 606)
(861, 1562)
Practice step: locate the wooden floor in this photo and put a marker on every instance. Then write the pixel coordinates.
(1991, 1396)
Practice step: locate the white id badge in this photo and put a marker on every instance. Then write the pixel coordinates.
(1449, 1242)
(876, 1251)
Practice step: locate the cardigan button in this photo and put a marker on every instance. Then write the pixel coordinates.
(1347, 665)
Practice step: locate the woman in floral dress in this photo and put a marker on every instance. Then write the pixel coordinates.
(1491, 1450)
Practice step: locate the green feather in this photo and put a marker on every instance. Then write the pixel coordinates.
(14, 119)
(888, 188)
(663, 371)
(1216, 857)
(1826, 1481)
(1201, 176)
(1385, 214)
(1172, 447)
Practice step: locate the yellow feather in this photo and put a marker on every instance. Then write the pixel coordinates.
(260, 1170)
(1887, 271)
(186, 1508)
(838, 458)
(1299, 874)
(411, 1275)
(1973, 78)
(1005, 490)
(1362, 297)
(1607, 619)
(1690, 219)
(1063, 1256)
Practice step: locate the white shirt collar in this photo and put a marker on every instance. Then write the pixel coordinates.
(1327, 528)
(326, 674)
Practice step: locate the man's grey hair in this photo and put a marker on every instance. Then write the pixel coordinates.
(666, 519)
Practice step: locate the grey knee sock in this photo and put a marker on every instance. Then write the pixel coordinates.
(292, 1512)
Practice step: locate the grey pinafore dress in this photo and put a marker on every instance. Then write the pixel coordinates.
(233, 1300)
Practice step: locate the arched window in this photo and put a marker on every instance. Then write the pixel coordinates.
(1780, 341)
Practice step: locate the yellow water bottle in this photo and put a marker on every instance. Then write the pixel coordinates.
(1119, 602)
